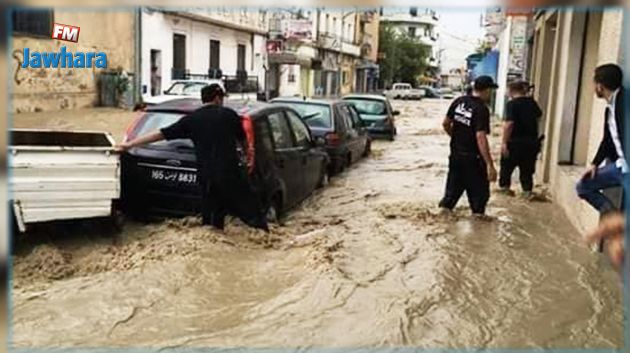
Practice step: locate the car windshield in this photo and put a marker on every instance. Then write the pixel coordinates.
(369, 107)
(154, 121)
(186, 88)
(313, 114)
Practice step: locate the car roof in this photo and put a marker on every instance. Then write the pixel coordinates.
(197, 81)
(324, 101)
(365, 96)
(189, 105)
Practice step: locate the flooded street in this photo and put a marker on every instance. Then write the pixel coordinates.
(367, 261)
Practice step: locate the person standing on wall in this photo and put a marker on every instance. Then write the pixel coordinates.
(471, 168)
(520, 144)
(609, 166)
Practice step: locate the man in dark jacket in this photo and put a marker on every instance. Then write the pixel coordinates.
(608, 86)
(215, 132)
(520, 145)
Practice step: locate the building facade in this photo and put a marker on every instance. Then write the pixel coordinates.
(421, 24)
(567, 47)
(183, 44)
(48, 89)
(316, 52)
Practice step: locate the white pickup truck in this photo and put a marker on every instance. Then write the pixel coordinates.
(404, 91)
(60, 175)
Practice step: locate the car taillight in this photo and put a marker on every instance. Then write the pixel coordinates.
(129, 134)
(248, 128)
(332, 139)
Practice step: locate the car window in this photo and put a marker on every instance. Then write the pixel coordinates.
(344, 112)
(300, 131)
(369, 107)
(356, 118)
(314, 115)
(265, 133)
(186, 88)
(280, 131)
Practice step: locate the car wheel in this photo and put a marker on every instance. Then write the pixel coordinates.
(273, 211)
(368, 148)
(324, 179)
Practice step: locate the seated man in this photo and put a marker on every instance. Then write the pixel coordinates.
(608, 79)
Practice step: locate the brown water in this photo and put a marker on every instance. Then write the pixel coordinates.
(368, 261)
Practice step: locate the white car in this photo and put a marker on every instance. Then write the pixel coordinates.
(180, 89)
(404, 91)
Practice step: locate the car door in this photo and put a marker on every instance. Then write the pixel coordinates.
(351, 134)
(312, 164)
(362, 134)
(287, 158)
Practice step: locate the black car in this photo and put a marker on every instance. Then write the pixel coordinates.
(376, 113)
(338, 124)
(160, 179)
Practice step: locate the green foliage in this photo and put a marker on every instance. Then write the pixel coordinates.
(403, 58)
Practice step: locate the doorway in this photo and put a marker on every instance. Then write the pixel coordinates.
(179, 56)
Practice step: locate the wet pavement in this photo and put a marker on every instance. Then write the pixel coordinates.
(368, 261)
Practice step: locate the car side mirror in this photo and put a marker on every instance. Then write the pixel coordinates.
(395, 112)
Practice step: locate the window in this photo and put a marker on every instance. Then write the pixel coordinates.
(280, 131)
(300, 131)
(33, 22)
(240, 58)
(412, 31)
(215, 54)
(179, 56)
(346, 118)
(314, 115)
(356, 118)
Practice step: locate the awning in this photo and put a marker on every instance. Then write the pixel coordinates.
(288, 58)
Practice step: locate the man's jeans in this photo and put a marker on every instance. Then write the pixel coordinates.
(590, 190)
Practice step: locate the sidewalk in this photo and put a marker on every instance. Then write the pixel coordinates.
(112, 120)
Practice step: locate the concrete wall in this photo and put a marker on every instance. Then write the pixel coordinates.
(563, 77)
(111, 32)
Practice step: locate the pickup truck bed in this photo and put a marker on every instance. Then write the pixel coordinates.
(57, 175)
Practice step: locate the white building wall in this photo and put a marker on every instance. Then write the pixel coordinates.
(157, 33)
(504, 60)
(289, 88)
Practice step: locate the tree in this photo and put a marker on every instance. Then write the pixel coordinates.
(402, 57)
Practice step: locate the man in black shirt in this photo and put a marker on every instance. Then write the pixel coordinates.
(215, 132)
(470, 165)
(520, 145)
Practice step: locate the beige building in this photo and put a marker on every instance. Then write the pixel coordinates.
(568, 45)
(48, 89)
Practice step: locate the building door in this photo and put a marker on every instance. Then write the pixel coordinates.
(240, 58)
(156, 72)
(179, 56)
(215, 54)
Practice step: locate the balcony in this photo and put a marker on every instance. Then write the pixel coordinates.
(331, 41)
(405, 18)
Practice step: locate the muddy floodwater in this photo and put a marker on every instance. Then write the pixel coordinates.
(366, 262)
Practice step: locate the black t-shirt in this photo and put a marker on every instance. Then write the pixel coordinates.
(469, 115)
(524, 112)
(215, 132)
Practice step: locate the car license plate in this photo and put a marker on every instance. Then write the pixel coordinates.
(174, 176)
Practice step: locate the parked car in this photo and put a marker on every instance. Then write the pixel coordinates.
(338, 124)
(404, 91)
(160, 179)
(180, 89)
(447, 93)
(430, 92)
(376, 113)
